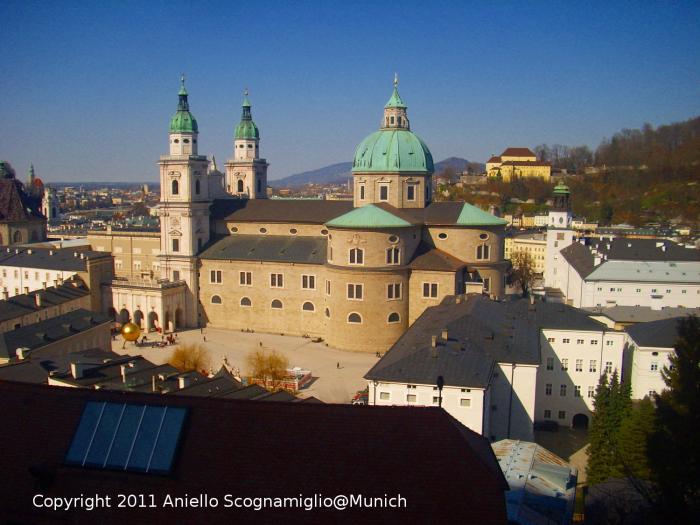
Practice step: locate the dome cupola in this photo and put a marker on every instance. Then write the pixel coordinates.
(246, 129)
(183, 121)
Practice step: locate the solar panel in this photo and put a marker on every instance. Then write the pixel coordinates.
(140, 438)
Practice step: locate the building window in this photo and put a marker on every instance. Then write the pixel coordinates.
(215, 299)
(442, 236)
(245, 301)
(357, 256)
(362, 192)
(564, 365)
(410, 398)
(176, 245)
(430, 290)
(355, 291)
(562, 390)
(550, 363)
(308, 306)
(354, 318)
(393, 291)
(562, 414)
(436, 400)
(392, 255)
(216, 276)
(487, 284)
(577, 391)
(609, 343)
(566, 340)
(593, 365)
(176, 275)
(308, 282)
(550, 339)
(465, 402)
(608, 367)
(594, 342)
(591, 392)
(245, 278)
(393, 318)
(482, 252)
(328, 287)
(548, 389)
(328, 313)
(652, 394)
(175, 188)
(579, 341)
(196, 187)
(383, 193)
(548, 414)
(276, 304)
(654, 366)
(384, 396)
(411, 192)
(276, 280)
(579, 365)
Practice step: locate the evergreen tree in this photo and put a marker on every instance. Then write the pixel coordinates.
(632, 441)
(599, 451)
(674, 450)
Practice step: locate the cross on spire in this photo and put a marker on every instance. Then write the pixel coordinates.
(396, 79)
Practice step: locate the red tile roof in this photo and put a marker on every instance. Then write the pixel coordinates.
(525, 163)
(518, 152)
(244, 448)
(494, 159)
(15, 205)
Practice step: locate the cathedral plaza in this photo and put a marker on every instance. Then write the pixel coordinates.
(331, 384)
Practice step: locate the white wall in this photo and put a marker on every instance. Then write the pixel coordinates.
(654, 295)
(16, 278)
(521, 407)
(647, 364)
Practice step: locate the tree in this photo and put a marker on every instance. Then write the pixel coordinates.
(632, 440)
(674, 449)
(190, 357)
(268, 367)
(523, 270)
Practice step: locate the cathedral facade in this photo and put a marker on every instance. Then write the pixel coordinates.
(355, 274)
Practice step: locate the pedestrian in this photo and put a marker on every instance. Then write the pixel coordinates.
(205, 338)
(201, 330)
(337, 365)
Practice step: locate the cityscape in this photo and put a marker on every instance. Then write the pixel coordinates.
(371, 304)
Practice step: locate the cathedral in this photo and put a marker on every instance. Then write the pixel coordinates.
(353, 273)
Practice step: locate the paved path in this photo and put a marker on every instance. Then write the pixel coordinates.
(333, 385)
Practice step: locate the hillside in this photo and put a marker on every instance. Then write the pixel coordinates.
(339, 173)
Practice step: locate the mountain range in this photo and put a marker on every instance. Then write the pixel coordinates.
(340, 172)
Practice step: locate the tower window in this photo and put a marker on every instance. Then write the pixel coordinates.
(175, 187)
(196, 187)
(215, 299)
(308, 306)
(354, 318)
(245, 301)
(391, 119)
(392, 255)
(411, 192)
(362, 192)
(240, 186)
(259, 185)
(399, 119)
(176, 245)
(186, 141)
(250, 146)
(383, 193)
(176, 141)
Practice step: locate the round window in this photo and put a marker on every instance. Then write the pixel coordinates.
(483, 236)
(263, 230)
(561, 219)
(293, 231)
(324, 232)
(442, 236)
(234, 229)
(393, 239)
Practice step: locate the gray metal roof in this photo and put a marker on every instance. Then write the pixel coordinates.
(272, 248)
(659, 334)
(623, 249)
(428, 257)
(480, 333)
(647, 271)
(580, 258)
(39, 334)
(24, 304)
(640, 314)
(272, 211)
(45, 258)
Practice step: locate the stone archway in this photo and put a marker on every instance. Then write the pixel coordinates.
(179, 318)
(138, 318)
(112, 313)
(168, 322)
(152, 321)
(124, 316)
(580, 421)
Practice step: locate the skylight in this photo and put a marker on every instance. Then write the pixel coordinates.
(137, 438)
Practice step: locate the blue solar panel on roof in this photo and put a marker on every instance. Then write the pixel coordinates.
(141, 438)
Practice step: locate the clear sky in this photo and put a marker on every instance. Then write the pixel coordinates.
(87, 88)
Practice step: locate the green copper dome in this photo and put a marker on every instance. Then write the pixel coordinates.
(246, 128)
(561, 189)
(183, 121)
(391, 150)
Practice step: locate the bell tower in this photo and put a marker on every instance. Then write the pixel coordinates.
(559, 236)
(184, 205)
(246, 172)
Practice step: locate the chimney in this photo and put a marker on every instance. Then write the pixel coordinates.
(55, 282)
(458, 299)
(433, 341)
(82, 255)
(37, 299)
(76, 370)
(50, 252)
(153, 383)
(443, 334)
(663, 248)
(124, 368)
(75, 254)
(29, 251)
(22, 353)
(183, 381)
(596, 260)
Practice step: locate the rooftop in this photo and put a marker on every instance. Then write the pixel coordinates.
(643, 271)
(657, 334)
(640, 314)
(45, 258)
(24, 304)
(276, 248)
(622, 249)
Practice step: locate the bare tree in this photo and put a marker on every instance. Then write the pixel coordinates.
(269, 368)
(523, 271)
(190, 357)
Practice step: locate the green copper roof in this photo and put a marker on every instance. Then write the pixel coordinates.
(395, 100)
(369, 216)
(561, 189)
(473, 216)
(183, 121)
(246, 128)
(393, 150)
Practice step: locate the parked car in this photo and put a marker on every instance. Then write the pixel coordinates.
(361, 397)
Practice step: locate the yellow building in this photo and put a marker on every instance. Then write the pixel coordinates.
(518, 163)
(533, 243)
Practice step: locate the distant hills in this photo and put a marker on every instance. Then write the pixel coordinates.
(340, 172)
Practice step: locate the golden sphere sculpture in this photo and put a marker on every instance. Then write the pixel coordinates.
(130, 332)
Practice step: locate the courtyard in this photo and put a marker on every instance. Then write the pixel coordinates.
(337, 374)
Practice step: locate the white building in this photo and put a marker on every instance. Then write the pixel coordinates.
(559, 236)
(504, 365)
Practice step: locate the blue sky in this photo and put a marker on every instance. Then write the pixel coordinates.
(87, 88)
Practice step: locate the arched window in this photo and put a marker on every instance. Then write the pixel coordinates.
(175, 188)
(308, 306)
(392, 255)
(215, 299)
(240, 186)
(196, 187)
(354, 318)
(393, 318)
(357, 256)
(17, 237)
(328, 313)
(276, 304)
(245, 301)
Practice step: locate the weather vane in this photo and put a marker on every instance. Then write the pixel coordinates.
(396, 79)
